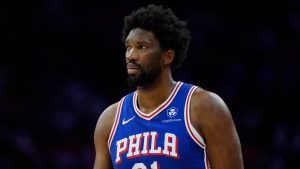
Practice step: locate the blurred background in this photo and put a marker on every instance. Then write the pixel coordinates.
(62, 64)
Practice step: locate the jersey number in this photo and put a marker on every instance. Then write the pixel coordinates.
(154, 165)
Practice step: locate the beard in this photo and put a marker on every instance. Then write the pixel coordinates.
(147, 77)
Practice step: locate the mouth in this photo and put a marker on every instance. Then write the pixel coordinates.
(132, 68)
(131, 71)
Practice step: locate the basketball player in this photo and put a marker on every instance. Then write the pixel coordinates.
(164, 124)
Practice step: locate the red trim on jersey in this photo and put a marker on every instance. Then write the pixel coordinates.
(187, 117)
(206, 162)
(115, 124)
(159, 108)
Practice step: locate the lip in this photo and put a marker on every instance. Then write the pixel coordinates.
(132, 68)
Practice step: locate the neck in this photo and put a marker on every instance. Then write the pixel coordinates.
(150, 98)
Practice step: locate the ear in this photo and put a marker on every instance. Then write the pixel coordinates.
(168, 56)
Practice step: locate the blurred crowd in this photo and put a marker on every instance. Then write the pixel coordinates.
(62, 64)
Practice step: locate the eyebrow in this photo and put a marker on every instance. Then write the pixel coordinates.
(139, 42)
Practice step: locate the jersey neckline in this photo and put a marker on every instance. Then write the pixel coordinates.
(149, 116)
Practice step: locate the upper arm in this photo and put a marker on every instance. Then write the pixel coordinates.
(212, 118)
(101, 135)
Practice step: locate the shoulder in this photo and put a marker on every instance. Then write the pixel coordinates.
(101, 136)
(212, 119)
(106, 120)
(208, 108)
(207, 100)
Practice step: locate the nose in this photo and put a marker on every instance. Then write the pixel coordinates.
(131, 54)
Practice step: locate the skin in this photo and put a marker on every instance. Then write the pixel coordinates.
(209, 114)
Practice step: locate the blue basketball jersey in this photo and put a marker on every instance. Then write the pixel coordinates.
(163, 138)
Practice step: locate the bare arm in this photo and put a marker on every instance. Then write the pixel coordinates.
(212, 119)
(102, 131)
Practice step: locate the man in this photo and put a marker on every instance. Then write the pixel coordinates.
(164, 123)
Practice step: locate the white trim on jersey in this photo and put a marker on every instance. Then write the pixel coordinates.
(152, 114)
(115, 124)
(191, 130)
(206, 161)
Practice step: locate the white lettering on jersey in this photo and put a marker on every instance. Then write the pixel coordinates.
(154, 149)
(171, 143)
(145, 144)
(132, 145)
(121, 148)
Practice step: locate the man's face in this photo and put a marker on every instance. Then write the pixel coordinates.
(143, 58)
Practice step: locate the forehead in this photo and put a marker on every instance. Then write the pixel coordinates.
(141, 35)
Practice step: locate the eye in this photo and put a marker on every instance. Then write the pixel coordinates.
(142, 47)
(128, 47)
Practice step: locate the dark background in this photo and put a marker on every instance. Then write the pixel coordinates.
(62, 63)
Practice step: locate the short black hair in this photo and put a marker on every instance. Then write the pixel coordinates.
(167, 28)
